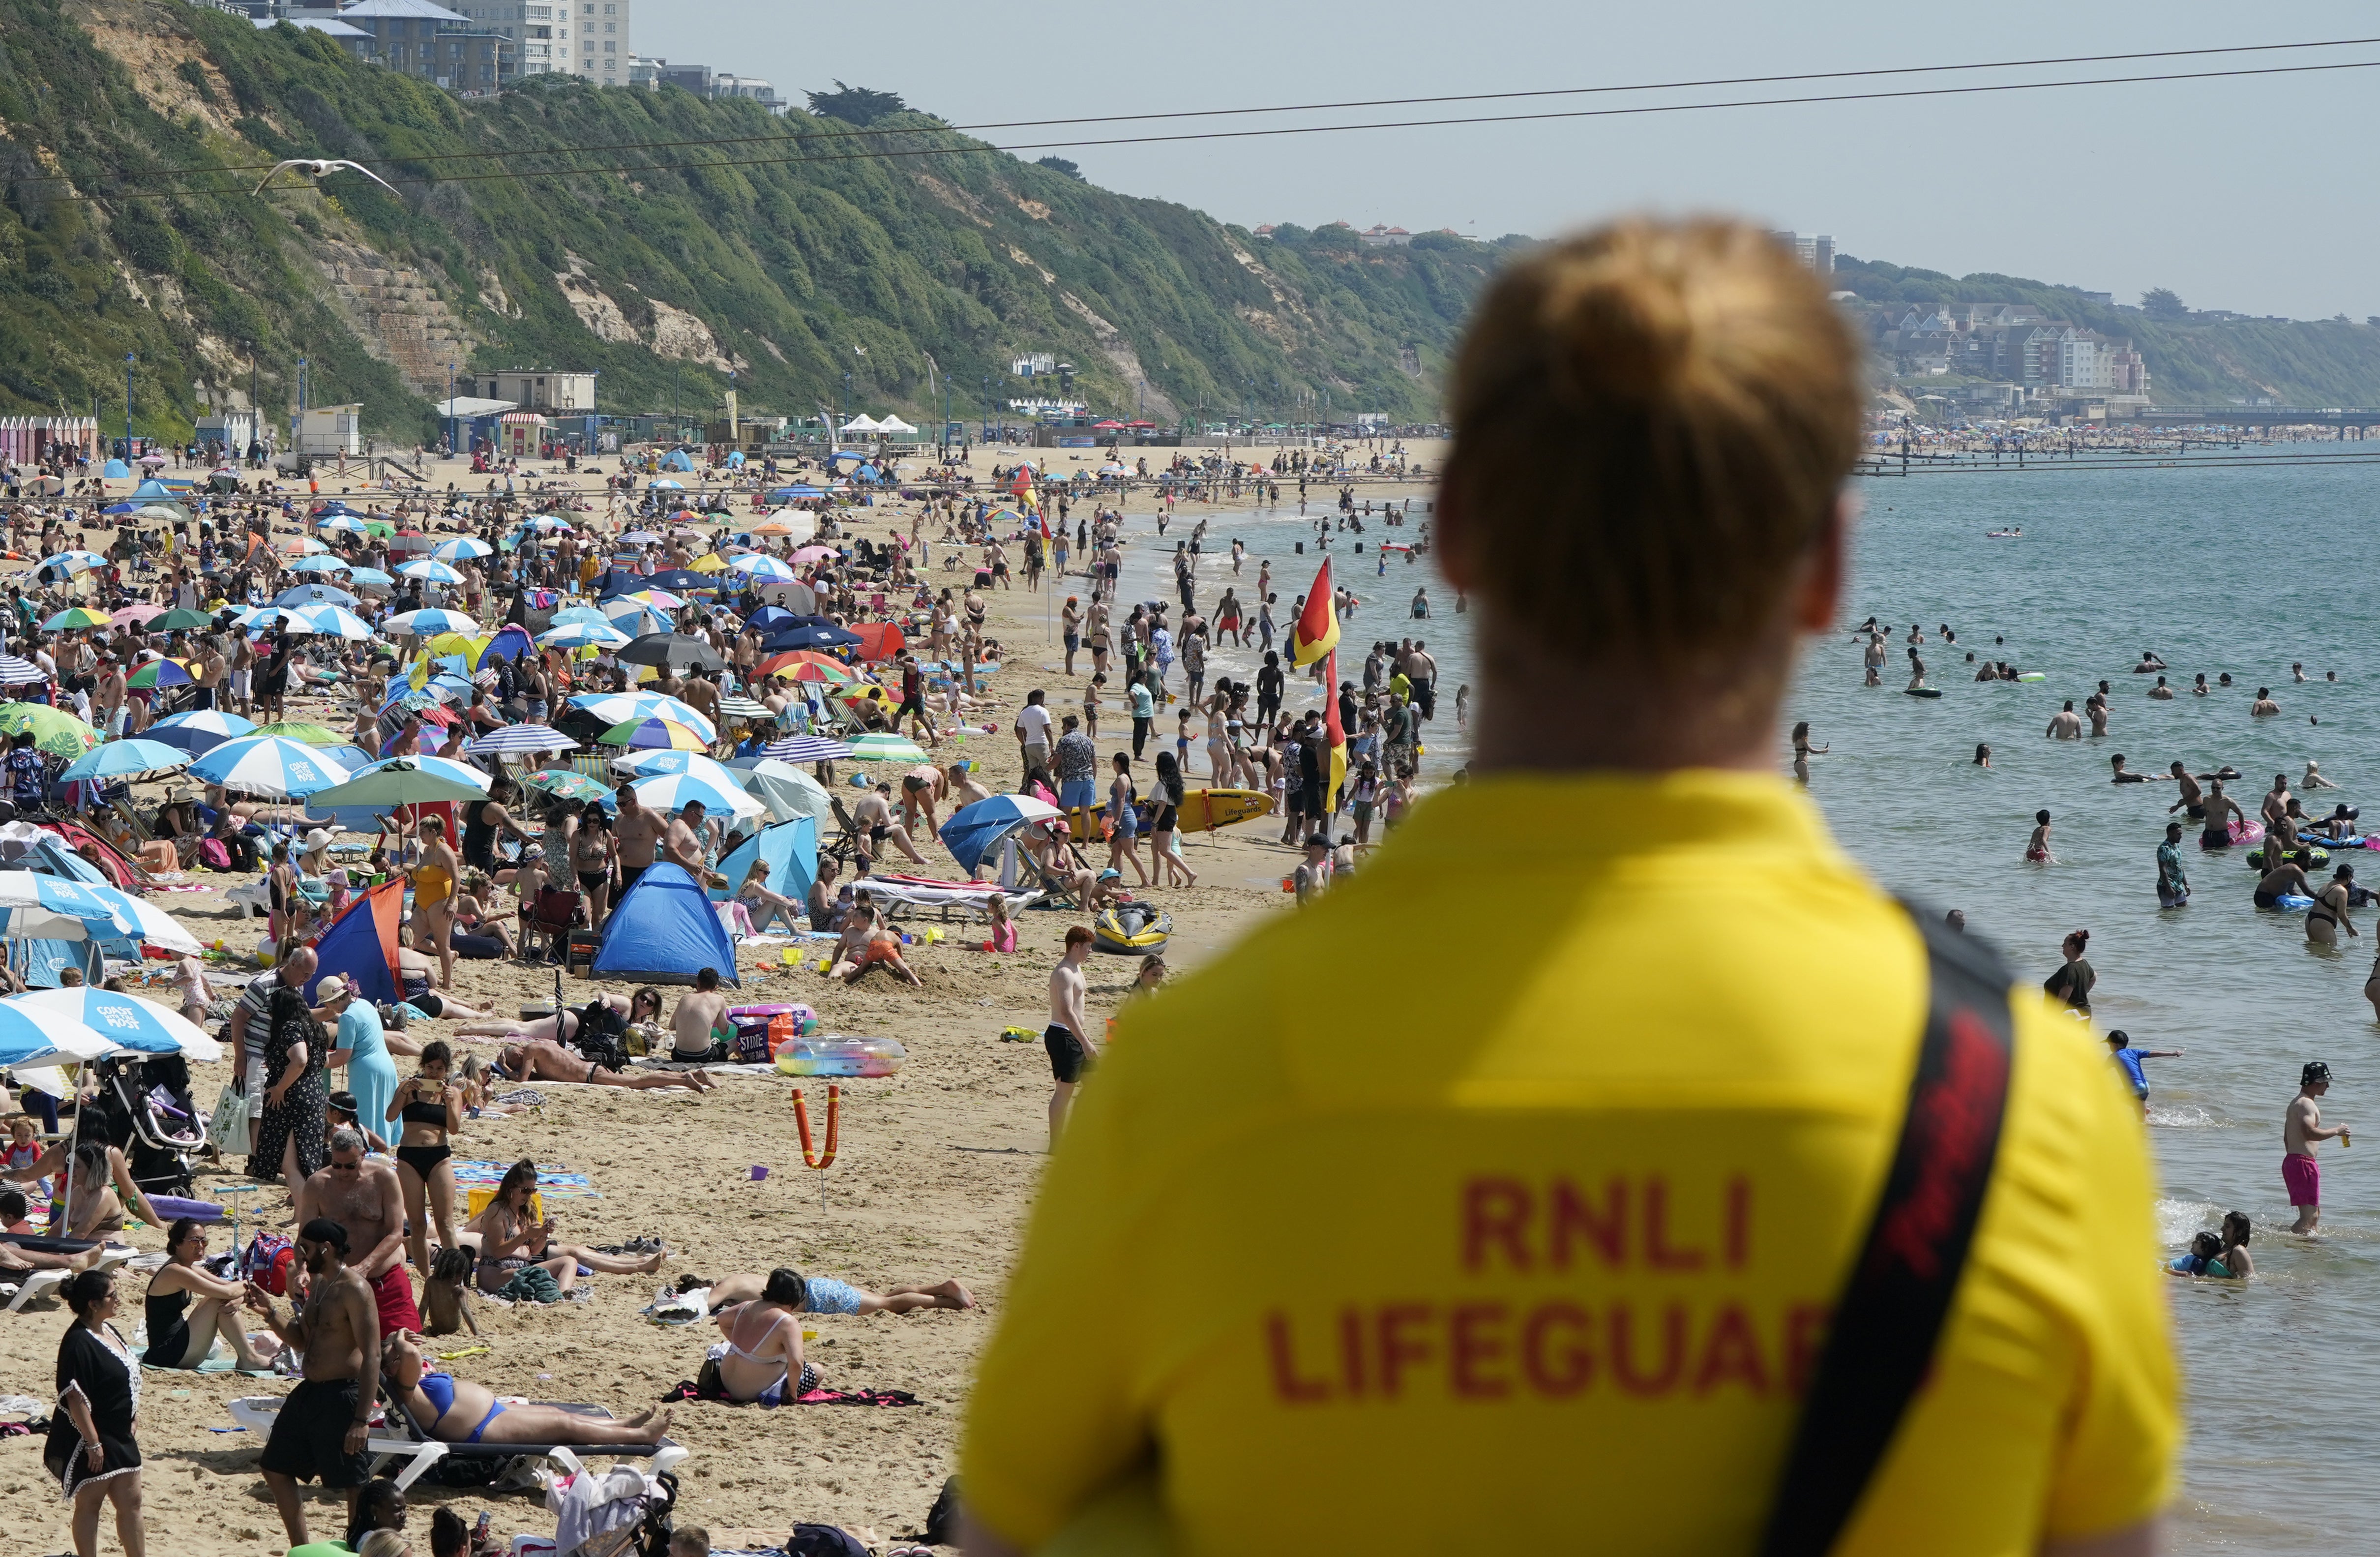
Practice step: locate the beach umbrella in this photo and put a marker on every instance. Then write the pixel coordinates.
(644, 735)
(786, 790)
(519, 740)
(768, 618)
(672, 649)
(198, 730)
(659, 600)
(74, 619)
(973, 830)
(815, 553)
(669, 792)
(462, 550)
(755, 565)
(887, 748)
(806, 749)
(127, 760)
(652, 764)
(583, 635)
(34, 906)
(636, 619)
(332, 621)
(323, 564)
(270, 766)
(159, 673)
(709, 562)
(26, 1043)
(145, 611)
(371, 578)
(125, 1021)
(570, 613)
(347, 522)
(546, 524)
(15, 671)
(429, 623)
(614, 707)
(817, 671)
(302, 733)
(137, 918)
(315, 594)
(665, 484)
(637, 538)
(72, 561)
(304, 546)
(809, 635)
(570, 783)
(54, 730)
(179, 619)
(736, 706)
(429, 572)
(406, 781)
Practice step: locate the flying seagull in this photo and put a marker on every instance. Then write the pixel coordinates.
(319, 166)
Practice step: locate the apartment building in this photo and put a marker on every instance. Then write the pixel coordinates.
(561, 37)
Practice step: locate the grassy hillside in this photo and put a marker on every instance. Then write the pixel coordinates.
(829, 278)
(2294, 362)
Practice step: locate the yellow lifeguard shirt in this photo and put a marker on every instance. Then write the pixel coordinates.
(1502, 1193)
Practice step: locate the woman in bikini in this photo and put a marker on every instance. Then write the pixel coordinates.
(413, 971)
(431, 1106)
(591, 848)
(563, 1025)
(509, 1241)
(457, 1410)
(761, 1358)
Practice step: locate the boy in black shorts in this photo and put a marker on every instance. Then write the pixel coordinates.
(1068, 1037)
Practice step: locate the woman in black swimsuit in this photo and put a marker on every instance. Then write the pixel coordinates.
(431, 1107)
(180, 1341)
(487, 819)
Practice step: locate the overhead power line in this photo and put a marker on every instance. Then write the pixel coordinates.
(849, 131)
(877, 153)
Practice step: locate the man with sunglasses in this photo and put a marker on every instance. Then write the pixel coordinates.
(364, 1197)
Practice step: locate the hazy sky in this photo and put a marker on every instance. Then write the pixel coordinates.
(2251, 194)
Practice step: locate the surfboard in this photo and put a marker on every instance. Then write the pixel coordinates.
(1202, 810)
(1922, 691)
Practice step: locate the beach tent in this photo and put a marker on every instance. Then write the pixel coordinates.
(791, 850)
(116, 471)
(893, 424)
(511, 642)
(676, 459)
(664, 931)
(863, 422)
(360, 946)
(153, 489)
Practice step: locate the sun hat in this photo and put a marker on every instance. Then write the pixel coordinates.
(331, 989)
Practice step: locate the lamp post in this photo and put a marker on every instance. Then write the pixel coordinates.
(677, 416)
(450, 410)
(128, 359)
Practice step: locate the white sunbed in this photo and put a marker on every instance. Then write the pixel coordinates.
(39, 1284)
(393, 1439)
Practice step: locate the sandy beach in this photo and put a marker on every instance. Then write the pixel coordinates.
(936, 1169)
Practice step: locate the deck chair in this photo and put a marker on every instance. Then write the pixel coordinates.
(38, 1284)
(395, 1438)
(546, 924)
(848, 845)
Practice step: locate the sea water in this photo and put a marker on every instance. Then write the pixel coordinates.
(2241, 568)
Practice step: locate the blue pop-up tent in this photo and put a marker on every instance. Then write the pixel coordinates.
(791, 850)
(664, 931)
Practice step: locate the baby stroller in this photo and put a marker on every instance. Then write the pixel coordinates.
(145, 1108)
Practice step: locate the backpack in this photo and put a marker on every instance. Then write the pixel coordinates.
(269, 1261)
(601, 1031)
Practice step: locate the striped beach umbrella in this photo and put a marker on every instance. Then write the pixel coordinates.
(74, 619)
(808, 749)
(34, 906)
(200, 730)
(347, 522)
(614, 707)
(159, 673)
(323, 564)
(15, 671)
(303, 733)
(330, 621)
(72, 561)
(429, 572)
(645, 735)
(570, 613)
(583, 635)
(520, 740)
(126, 1020)
(430, 622)
(464, 549)
(669, 792)
(270, 766)
(886, 748)
(759, 565)
(652, 764)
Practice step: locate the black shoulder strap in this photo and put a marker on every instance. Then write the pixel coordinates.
(1880, 1342)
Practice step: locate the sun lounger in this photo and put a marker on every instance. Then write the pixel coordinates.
(967, 897)
(31, 1284)
(394, 1439)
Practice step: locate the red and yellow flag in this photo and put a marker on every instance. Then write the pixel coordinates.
(1315, 631)
(1336, 727)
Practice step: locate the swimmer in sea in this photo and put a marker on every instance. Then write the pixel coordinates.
(1989, 672)
(2217, 831)
(2328, 915)
(2222, 680)
(2301, 1130)
(2036, 848)
(2128, 1060)
(2173, 887)
(2161, 692)
(2198, 687)
(2096, 707)
(1982, 755)
(2191, 795)
(2340, 822)
(2149, 664)
(1802, 749)
(2314, 779)
(2276, 804)
(2066, 725)
(1916, 671)
(1872, 660)
(2286, 879)
(2263, 707)
(2297, 671)
(2124, 774)
(2372, 987)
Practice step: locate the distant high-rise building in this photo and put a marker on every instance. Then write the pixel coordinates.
(1817, 250)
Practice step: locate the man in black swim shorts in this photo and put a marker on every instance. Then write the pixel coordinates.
(1066, 1038)
(321, 1428)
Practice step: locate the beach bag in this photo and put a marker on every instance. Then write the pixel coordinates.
(227, 1131)
(268, 1262)
(212, 850)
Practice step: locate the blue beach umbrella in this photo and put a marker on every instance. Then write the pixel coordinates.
(315, 594)
(320, 562)
(972, 831)
(197, 731)
(428, 571)
(126, 1021)
(124, 760)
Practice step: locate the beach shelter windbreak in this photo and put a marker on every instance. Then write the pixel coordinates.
(664, 931)
(360, 946)
(791, 850)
